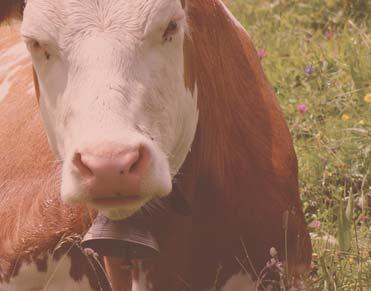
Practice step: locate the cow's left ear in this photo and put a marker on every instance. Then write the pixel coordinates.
(11, 9)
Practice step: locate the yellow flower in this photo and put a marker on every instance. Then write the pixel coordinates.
(367, 98)
(345, 117)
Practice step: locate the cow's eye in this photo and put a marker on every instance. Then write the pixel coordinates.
(36, 47)
(170, 31)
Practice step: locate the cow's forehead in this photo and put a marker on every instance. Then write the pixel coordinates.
(51, 18)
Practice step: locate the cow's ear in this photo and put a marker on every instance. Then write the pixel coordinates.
(222, 45)
(11, 9)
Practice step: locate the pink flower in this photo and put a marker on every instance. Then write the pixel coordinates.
(262, 53)
(313, 266)
(363, 218)
(302, 108)
(329, 34)
(315, 224)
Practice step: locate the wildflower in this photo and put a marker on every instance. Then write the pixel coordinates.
(280, 267)
(313, 266)
(345, 117)
(273, 252)
(362, 202)
(363, 218)
(262, 53)
(367, 98)
(329, 34)
(309, 70)
(315, 224)
(302, 108)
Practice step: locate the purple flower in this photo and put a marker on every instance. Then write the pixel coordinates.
(302, 108)
(309, 70)
(262, 53)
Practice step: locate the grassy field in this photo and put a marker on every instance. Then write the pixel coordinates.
(317, 55)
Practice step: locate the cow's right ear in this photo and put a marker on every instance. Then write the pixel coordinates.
(11, 9)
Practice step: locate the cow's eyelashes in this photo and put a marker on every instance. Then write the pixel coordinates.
(170, 31)
(35, 44)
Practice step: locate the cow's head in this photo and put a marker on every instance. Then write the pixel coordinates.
(113, 96)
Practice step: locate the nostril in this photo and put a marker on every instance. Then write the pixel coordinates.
(126, 160)
(77, 161)
(141, 163)
(134, 166)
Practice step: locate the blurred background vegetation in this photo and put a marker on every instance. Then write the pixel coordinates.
(317, 56)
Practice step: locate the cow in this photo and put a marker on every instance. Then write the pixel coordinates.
(140, 100)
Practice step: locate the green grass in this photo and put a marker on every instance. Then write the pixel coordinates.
(333, 138)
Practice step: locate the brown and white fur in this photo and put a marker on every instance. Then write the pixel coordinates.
(239, 175)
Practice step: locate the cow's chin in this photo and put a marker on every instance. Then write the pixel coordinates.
(122, 209)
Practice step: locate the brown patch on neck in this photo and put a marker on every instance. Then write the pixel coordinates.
(242, 169)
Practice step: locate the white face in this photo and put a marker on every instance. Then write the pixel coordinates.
(113, 97)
